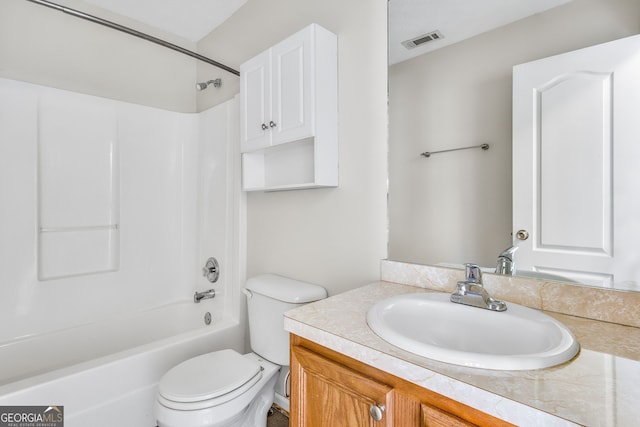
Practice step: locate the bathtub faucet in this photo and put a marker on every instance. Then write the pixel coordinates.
(208, 294)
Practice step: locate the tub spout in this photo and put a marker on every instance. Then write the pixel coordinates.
(208, 294)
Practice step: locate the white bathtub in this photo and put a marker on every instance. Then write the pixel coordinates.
(105, 373)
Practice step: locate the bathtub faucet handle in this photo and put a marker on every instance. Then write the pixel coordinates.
(211, 270)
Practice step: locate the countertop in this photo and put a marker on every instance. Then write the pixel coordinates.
(599, 387)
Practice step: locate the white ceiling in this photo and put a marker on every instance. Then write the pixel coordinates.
(189, 19)
(457, 20)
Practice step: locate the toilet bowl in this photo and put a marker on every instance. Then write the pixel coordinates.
(225, 388)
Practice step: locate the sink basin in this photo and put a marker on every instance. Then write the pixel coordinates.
(429, 325)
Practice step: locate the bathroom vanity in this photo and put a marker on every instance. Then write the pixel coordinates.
(355, 394)
(344, 374)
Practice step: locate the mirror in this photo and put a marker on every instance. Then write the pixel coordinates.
(456, 91)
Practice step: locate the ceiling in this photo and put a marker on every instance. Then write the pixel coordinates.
(189, 19)
(455, 19)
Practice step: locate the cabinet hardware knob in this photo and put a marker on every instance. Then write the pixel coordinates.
(376, 412)
(522, 234)
(272, 124)
(264, 127)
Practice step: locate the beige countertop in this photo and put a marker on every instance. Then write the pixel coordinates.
(599, 387)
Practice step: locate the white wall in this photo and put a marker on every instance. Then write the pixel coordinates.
(333, 237)
(44, 46)
(177, 204)
(456, 207)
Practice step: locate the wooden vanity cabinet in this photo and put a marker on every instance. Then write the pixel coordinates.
(329, 389)
(330, 394)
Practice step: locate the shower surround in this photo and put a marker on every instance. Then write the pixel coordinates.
(110, 209)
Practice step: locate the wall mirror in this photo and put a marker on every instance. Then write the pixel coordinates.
(450, 86)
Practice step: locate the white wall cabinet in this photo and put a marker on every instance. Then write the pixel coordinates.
(289, 113)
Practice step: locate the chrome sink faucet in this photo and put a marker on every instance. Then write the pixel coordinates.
(506, 264)
(472, 292)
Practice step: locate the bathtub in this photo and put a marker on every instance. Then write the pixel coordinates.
(105, 373)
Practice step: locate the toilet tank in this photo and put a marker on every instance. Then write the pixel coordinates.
(268, 297)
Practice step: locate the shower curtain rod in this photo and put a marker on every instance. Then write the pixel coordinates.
(130, 31)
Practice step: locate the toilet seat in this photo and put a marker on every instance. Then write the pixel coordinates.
(208, 380)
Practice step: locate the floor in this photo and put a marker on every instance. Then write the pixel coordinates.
(277, 419)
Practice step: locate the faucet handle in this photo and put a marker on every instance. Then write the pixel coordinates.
(472, 273)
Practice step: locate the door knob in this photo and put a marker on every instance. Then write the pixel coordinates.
(522, 234)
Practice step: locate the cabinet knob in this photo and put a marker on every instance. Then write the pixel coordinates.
(264, 127)
(376, 412)
(272, 124)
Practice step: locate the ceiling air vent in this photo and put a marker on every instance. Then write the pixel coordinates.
(425, 38)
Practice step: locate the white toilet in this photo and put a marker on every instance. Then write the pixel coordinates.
(225, 388)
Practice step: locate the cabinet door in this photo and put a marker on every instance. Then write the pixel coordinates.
(435, 417)
(255, 103)
(327, 394)
(292, 117)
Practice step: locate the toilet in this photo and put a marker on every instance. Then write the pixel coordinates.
(225, 388)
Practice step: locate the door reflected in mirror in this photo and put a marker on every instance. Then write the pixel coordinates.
(457, 207)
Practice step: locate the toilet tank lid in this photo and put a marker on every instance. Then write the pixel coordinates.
(285, 289)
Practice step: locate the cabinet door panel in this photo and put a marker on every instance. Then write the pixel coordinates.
(291, 105)
(255, 103)
(327, 394)
(434, 417)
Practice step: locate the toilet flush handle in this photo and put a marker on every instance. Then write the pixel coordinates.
(247, 292)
